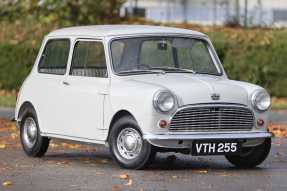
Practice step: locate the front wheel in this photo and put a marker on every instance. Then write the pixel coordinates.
(127, 146)
(251, 156)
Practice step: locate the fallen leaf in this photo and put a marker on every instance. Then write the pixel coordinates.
(224, 174)
(115, 188)
(73, 146)
(84, 159)
(104, 161)
(62, 162)
(53, 145)
(201, 171)
(278, 130)
(14, 135)
(171, 158)
(279, 154)
(100, 173)
(7, 183)
(123, 176)
(64, 145)
(2, 146)
(130, 183)
(58, 162)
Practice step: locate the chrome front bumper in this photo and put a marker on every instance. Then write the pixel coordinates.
(180, 140)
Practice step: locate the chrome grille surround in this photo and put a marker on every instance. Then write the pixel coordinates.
(212, 117)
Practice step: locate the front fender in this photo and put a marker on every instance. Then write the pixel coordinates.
(137, 99)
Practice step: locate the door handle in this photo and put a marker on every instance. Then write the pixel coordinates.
(66, 83)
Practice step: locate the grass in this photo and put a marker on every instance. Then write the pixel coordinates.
(279, 103)
(7, 100)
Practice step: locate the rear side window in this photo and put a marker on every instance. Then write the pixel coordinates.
(55, 56)
(89, 60)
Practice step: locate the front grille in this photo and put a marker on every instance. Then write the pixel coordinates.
(212, 118)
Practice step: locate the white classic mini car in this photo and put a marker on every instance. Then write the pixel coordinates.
(141, 90)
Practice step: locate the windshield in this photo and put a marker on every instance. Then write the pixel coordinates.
(162, 54)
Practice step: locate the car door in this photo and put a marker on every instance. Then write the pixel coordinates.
(46, 92)
(86, 87)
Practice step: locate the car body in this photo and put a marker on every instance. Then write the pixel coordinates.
(88, 81)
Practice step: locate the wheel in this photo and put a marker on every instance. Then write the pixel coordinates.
(127, 146)
(251, 157)
(34, 145)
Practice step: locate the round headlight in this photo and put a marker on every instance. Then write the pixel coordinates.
(261, 100)
(164, 101)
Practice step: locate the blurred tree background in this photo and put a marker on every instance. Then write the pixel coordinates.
(64, 12)
(256, 55)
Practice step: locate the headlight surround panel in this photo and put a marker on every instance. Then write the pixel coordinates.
(261, 100)
(164, 101)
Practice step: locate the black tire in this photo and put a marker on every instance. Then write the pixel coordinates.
(251, 157)
(41, 144)
(146, 154)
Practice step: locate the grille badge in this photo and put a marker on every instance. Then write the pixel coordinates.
(215, 96)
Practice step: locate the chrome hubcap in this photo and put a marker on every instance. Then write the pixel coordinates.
(129, 143)
(30, 132)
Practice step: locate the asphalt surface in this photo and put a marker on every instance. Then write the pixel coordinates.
(7, 113)
(90, 167)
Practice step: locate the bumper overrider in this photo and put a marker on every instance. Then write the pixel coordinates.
(180, 140)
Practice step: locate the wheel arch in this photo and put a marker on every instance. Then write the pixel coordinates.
(116, 117)
(26, 104)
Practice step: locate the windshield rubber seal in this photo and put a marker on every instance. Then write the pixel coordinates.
(214, 57)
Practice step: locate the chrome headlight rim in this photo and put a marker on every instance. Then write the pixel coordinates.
(256, 103)
(156, 101)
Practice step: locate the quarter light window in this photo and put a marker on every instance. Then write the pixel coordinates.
(55, 56)
(89, 60)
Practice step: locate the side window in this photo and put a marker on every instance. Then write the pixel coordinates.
(89, 60)
(55, 56)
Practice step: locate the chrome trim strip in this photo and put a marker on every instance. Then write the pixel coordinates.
(202, 136)
(73, 138)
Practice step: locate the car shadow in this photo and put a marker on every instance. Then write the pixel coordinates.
(183, 162)
(163, 161)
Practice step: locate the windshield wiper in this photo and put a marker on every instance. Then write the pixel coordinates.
(175, 69)
(143, 72)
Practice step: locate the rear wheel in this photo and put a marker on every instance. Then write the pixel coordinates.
(127, 146)
(251, 156)
(33, 143)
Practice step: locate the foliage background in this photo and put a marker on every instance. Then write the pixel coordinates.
(255, 55)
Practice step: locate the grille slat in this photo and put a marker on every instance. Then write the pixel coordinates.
(211, 117)
(212, 120)
(212, 113)
(215, 118)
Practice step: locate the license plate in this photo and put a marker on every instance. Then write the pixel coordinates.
(216, 148)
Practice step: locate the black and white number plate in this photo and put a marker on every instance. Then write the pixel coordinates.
(215, 148)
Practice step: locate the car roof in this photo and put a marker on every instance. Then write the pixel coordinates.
(120, 30)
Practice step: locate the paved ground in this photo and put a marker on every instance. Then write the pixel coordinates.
(279, 116)
(90, 169)
(81, 167)
(6, 113)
